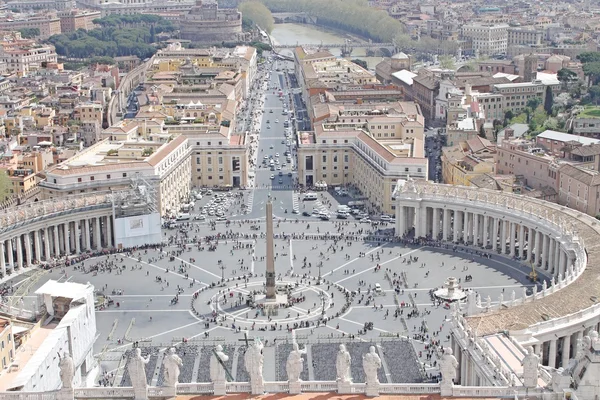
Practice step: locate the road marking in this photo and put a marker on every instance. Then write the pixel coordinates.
(195, 266)
(141, 311)
(381, 263)
(351, 261)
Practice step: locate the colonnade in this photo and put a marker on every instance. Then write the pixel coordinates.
(515, 238)
(71, 236)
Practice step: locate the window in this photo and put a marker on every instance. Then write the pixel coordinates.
(78, 180)
(91, 178)
(108, 176)
(324, 158)
(124, 174)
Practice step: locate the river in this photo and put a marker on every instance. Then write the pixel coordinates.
(292, 34)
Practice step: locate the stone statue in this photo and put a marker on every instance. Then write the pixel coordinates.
(524, 292)
(488, 301)
(448, 365)
(501, 298)
(217, 371)
(254, 360)
(137, 370)
(552, 281)
(478, 300)
(595, 341)
(371, 364)
(544, 286)
(295, 364)
(171, 364)
(530, 368)
(535, 290)
(342, 365)
(67, 370)
(513, 296)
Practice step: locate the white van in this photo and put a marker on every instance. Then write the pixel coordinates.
(183, 217)
(343, 208)
(378, 288)
(310, 196)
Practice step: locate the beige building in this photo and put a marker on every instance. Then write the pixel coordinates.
(516, 95)
(487, 39)
(73, 20)
(47, 24)
(524, 36)
(7, 343)
(355, 146)
(465, 161)
(579, 188)
(23, 55)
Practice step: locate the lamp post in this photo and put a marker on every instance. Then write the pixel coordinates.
(222, 268)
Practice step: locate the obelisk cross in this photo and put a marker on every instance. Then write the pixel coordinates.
(270, 274)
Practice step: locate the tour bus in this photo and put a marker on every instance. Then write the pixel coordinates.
(310, 196)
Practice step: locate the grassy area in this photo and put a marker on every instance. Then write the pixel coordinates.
(519, 119)
(590, 112)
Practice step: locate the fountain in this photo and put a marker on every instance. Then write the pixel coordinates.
(450, 291)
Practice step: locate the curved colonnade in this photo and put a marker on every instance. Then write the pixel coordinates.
(561, 243)
(47, 230)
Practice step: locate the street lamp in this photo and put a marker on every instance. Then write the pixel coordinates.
(222, 268)
(319, 266)
(322, 304)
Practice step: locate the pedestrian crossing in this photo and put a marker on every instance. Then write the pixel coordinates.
(320, 207)
(250, 202)
(281, 187)
(296, 202)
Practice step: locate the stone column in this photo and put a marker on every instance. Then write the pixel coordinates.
(512, 239)
(538, 248)
(577, 336)
(109, 231)
(566, 351)
(455, 226)
(436, 223)
(503, 234)
(561, 264)
(2, 263)
(56, 241)
(556, 264)
(418, 218)
(529, 244)
(446, 225)
(494, 236)
(465, 227)
(28, 249)
(545, 252)
(19, 251)
(66, 237)
(521, 241)
(551, 245)
(486, 230)
(47, 255)
(400, 221)
(77, 233)
(98, 239)
(552, 354)
(37, 245)
(86, 235)
(476, 235)
(72, 235)
(10, 254)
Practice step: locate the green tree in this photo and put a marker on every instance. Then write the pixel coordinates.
(594, 92)
(447, 62)
(481, 131)
(534, 103)
(258, 14)
(29, 33)
(592, 71)
(362, 63)
(5, 186)
(589, 56)
(566, 77)
(548, 101)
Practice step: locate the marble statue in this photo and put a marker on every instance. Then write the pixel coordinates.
(488, 301)
(513, 296)
(535, 289)
(531, 363)
(371, 364)
(294, 364)
(171, 364)
(524, 292)
(501, 298)
(137, 369)
(217, 371)
(552, 281)
(342, 365)
(67, 371)
(254, 360)
(595, 340)
(544, 286)
(448, 365)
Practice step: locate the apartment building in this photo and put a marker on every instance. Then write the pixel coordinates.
(465, 161)
(110, 165)
(47, 24)
(73, 19)
(529, 163)
(487, 39)
(516, 95)
(7, 342)
(579, 188)
(518, 36)
(22, 56)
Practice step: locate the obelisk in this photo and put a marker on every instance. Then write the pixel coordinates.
(270, 254)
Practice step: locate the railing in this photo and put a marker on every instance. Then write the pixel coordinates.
(277, 387)
(408, 388)
(28, 396)
(319, 386)
(195, 388)
(104, 393)
(238, 387)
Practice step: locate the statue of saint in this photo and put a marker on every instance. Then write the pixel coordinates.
(67, 370)
(371, 364)
(137, 369)
(294, 364)
(342, 365)
(217, 370)
(254, 360)
(448, 365)
(530, 368)
(171, 364)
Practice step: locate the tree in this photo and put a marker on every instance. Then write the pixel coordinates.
(257, 14)
(594, 93)
(548, 101)
(482, 131)
(447, 62)
(566, 77)
(5, 186)
(362, 63)
(589, 56)
(29, 33)
(592, 71)
(508, 116)
(534, 103)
